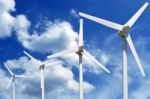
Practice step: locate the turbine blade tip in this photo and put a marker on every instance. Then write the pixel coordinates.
(147, 3)
(24, 52)
(144, 75)
(108, 71)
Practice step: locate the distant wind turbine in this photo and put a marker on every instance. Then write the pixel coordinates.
(42, 66)
(12, 80)
(126, 38)
(80, 51)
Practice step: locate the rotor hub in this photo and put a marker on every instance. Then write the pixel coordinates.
(42, 66)
(124, 31)
(13, 77)
(80, 50)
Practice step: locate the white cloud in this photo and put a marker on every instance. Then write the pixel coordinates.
(105, 58)
(6, 6)
(22, 24)
(58, 36)
(6, 20)
(6, 25)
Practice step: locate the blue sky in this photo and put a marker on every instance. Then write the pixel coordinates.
(44, 27)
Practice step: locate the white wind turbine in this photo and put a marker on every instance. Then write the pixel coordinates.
(125, 35)
(12, 80)
(42, 66)
(80, 51)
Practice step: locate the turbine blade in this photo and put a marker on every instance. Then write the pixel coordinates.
(22, 76)
(34, 59)
(95, 61)
(53, 63)
(81, 33)
(129, 40)
(137, 15)
(8, 69)
(102, 21)
(10, 81)
(60, 54)
(86, 58)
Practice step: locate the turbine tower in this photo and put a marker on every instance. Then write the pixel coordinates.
(80, 51)
(126, 38)
(12, 80)
(42, 66)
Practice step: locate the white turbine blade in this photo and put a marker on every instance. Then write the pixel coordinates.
(22, 76)
(81, 33)
(34, 59)
(137, 15)
(42, 78)
(129, 40)
(102, 21)
(60, 54)
(10, 81)
(53, 63)
(95, 61)
(8, 69)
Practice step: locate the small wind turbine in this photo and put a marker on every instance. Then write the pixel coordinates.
(42, 66)
(126, 38)
(80, 51)
(12, 79)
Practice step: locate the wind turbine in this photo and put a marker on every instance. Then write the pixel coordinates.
(126, 38)
(42, 66)
(12, 80)
(80, 51)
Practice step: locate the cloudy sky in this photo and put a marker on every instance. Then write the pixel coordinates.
(44, 27)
